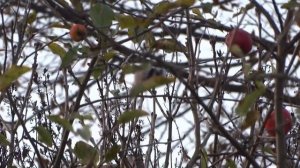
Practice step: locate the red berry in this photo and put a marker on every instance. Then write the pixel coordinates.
(270, 123)
(78, 32)
(240, 38)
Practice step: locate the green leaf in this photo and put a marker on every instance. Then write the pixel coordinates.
(196, 11)
(69, 57)
(12, 74)
(230, 163)
(204, 159)
(77, 4)
(163, 7)
(130, 115)
(292, 4)
(109, 55)
(269, 150)
(82, 117)
(246, 103)
(126, 21)
(185, 3)
(86, 153)
(135, 33)
(61, 121)
(57, 49)
(84, 132)
(207, 7)
(112, 153)
(247, 70)
(31, 17)
(251, 117)
(3, 140)
(97, 71)
(151, 83)
(169, 45)
(129, 68)
(102, 15)
(44, 135)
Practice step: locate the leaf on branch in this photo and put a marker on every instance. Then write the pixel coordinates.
(251, 117)
(12, 74)
(57, 49)
(31, 17)
(3, 140)
(81, 117)
(98, 69)
(230, 163)
(197, 12)
(126, 21)
(102, 16)
(246, 103)
(204, 159)
(131, 115)
(163, 7)
(112, 153)
(86, 153)
(78, 5)
(185, 3)
(109, 55)
(129, 68)
(169, 45)
(69, 57)
(292, 4)
(207, 7)
(84, 132)
(44, 135)
(151, 83)
(61, 121)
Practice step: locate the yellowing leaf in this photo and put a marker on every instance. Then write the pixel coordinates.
(151, 83)
(130, 115)
(12, 74)
(128, 68)
(251, 118)
(44, 135)
(109, 55)
(31, 17)
(236, 50)
(126, 21)
(135, 33)
(185, 3)
(163, 7)
(196, 11)
(57, 49)
(169, 45)
(59, 25)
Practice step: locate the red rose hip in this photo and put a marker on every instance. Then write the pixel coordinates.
(239, 42)
(270, 123)
(78, 32)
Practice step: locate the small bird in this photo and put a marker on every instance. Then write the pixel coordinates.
(143, 75)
